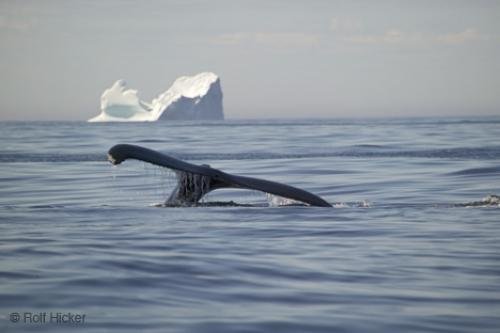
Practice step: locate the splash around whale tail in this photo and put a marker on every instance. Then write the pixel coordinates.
(194, 181)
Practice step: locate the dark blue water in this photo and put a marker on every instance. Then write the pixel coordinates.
(405, 248)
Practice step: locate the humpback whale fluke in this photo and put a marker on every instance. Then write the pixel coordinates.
(194, 181)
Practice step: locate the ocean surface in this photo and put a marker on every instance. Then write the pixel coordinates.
(409, 246)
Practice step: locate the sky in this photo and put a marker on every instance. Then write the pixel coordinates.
(276, 59)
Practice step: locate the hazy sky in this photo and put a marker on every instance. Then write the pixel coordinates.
(275, 58)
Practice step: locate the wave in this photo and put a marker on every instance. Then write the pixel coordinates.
(490, 201)
(476, 171)
(364, 151)
(482, 153)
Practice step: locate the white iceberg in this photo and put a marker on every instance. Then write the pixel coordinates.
(196, 97)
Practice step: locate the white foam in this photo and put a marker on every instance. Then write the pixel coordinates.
(277, 201)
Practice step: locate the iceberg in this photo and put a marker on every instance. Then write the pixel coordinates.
(197, 97)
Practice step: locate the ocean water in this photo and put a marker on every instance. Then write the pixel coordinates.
(407, 247)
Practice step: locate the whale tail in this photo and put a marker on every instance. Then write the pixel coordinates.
(194, 181)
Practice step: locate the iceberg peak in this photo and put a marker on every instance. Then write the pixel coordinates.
(197, 97)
